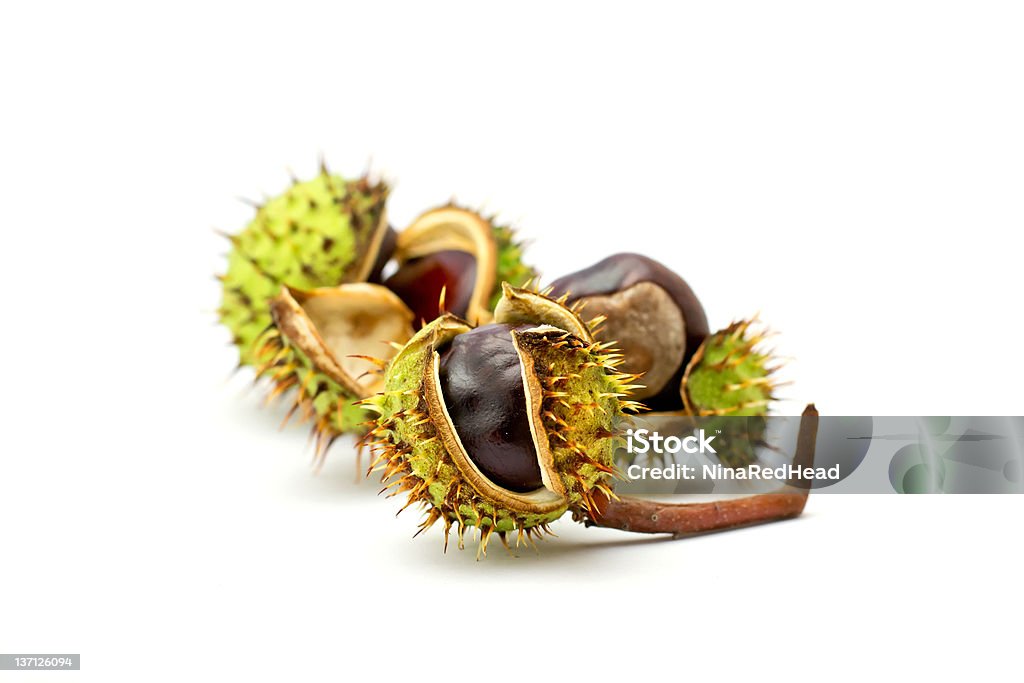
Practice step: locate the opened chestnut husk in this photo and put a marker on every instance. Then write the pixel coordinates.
(504, 427)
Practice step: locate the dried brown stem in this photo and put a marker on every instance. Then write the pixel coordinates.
(680, 519)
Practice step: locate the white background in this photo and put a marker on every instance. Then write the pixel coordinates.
(853, 171)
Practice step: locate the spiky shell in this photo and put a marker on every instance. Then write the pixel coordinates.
(576, 399)
(729, 375)
(729, 379)
(318, 233)
(316, 396)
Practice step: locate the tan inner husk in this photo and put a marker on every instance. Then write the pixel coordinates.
(334, 326)
(534, 400)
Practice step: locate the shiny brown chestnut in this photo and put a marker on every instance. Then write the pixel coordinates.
(482, 383)
(652, 314)
(420, 282)
(460, 253)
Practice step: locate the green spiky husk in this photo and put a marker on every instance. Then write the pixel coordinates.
(310, 236)
(416, 461)
(582, 404)
(314, 395)
(729, 375)
(730, 379)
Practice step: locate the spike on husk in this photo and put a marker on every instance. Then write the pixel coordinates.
(729, 374)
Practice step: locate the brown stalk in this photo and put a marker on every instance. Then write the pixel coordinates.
(681, 519)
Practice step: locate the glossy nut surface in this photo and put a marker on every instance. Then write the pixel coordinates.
(482, 384)
(418, 282)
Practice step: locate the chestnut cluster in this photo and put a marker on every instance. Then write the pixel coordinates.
(649, 313)
(494, 406)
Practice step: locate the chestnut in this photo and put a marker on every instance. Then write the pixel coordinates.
(482, 383)
(419, 282)
(650, 312)
(460, 253)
